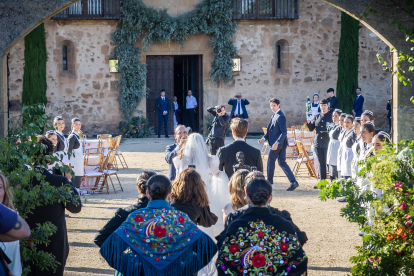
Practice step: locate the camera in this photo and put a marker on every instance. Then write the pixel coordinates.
(238, 96)
(218, 110)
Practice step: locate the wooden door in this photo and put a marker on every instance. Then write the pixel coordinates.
(160, 75)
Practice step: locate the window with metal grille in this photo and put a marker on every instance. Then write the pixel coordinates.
(65, 58)
(265, 9)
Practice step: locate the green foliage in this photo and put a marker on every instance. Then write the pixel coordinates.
(384, 210)
(139, 22)
(13, 162)
(34, 77)
(137, 127)
(348, 62)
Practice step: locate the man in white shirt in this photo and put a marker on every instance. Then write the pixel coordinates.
(191, 105)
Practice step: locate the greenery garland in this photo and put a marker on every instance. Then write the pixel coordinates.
(210, 17)
(34, 78)
(348, 62)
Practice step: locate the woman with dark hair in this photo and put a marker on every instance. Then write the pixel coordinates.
(122, 213)
(346, 144)
(61, 148)
(260, 242)
(75, 153)
(315, 108)
(189, 196)
(237, 194)
(340, 137)
(367, 134)
(356, 147)
(379, 140)
(158, 240)
(367, 116)
(334, 144)
(52, 212)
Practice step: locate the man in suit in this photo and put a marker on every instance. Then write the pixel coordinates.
(357, 107)
(163, 105)
(227, 154)
(239, 106)
(276, 137)
(333, 102)
(180, 134)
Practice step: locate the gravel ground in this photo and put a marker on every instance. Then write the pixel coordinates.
(331, 238)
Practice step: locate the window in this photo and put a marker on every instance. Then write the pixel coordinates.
(282, 56)
(65, 58)
(265, 9)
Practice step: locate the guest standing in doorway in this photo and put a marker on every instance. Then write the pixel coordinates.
(333, 102)
(190, 106)
(177, 112)
(276, 135)
(75, 152)
(163, 105)
(239, 106)
(358, 105)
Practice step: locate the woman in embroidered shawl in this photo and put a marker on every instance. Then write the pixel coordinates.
(259, 242)
(158, 240)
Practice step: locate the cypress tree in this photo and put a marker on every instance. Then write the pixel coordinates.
(34, 78)
(348, 62)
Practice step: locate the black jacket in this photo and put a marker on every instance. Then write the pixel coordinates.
(55, 213)
(322, 134)
(60, 144)
(199, 215)
(227, 156)
(219, 125)
(120, 216)
(333, 103)
(73, 142)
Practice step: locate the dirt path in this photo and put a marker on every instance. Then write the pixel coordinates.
(331, 238)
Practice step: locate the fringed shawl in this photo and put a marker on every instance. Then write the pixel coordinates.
(158, 240)
(261, 243)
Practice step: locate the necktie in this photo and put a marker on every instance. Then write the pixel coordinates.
(238, 107)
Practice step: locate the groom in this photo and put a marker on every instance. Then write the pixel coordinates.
(276, 136)
(180, 134)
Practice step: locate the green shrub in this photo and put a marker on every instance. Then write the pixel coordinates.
(137, 127)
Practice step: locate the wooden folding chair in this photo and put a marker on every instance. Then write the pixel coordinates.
(119, 153)
(103, 136)
(291, 149)
(108, 170)
(93, 161)
(303, 158)
(266, 145)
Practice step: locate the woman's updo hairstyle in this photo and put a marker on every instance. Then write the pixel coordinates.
(358, 120)
(369, 127)
(383, 137)
(253, 175)
(350, 117)
(74, 120)
(369, 114)
(259, 191)
(142, 180)
(338, 111)
(343, 115)
(158, 187)
(56, 120)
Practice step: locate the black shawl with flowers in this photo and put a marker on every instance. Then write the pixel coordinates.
(261, 243)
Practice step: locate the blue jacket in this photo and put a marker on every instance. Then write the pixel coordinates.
(170, 152)
(163, 105)
(276, 130)
(243, 103)
(358, 105)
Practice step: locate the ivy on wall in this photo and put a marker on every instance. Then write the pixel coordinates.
(348, 62)
(139, 22)
(34, 78)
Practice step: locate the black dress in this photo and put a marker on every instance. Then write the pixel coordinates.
(199, 215)
(120, 216)
(55, 213)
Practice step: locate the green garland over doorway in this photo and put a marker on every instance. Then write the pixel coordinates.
(139, 22)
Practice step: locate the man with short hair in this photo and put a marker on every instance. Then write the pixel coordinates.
(333, 102)
(190, 106)
(227, 154)
(357, 107)
(239, 106)
(180, 134)
(218, 128)
(163, 104)
(276, 136)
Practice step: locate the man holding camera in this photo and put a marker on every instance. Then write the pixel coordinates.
(239, 110)
(218, 128)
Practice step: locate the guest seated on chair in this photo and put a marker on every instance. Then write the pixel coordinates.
(122, 213)
(158, 240)
(268, 243)
(189, 196)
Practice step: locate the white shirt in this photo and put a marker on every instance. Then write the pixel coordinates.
(240, 139)
(237, 108)
(175, 105)
(191, 102)
(163, 98)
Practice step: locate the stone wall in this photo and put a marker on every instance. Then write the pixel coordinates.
(311, 46)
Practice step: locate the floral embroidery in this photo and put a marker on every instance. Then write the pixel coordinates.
(259, 250)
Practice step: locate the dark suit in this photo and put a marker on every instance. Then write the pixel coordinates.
(170, 152)
(333, 103)
(227, 156)
(389, 108)
(55, 213)
(358, 105)
(163, 105)
(276, 133)
(243, 104)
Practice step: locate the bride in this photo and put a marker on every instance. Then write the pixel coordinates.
(195, 153)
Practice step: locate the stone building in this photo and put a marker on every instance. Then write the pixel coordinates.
(288, 59)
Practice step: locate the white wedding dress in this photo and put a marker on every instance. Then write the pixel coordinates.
(216, 181)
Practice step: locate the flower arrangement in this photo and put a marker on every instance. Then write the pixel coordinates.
(384, 214)
(137, 127)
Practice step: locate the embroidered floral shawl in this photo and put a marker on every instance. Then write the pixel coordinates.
(158, 240)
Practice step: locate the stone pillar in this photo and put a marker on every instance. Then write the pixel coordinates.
(3, 96)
